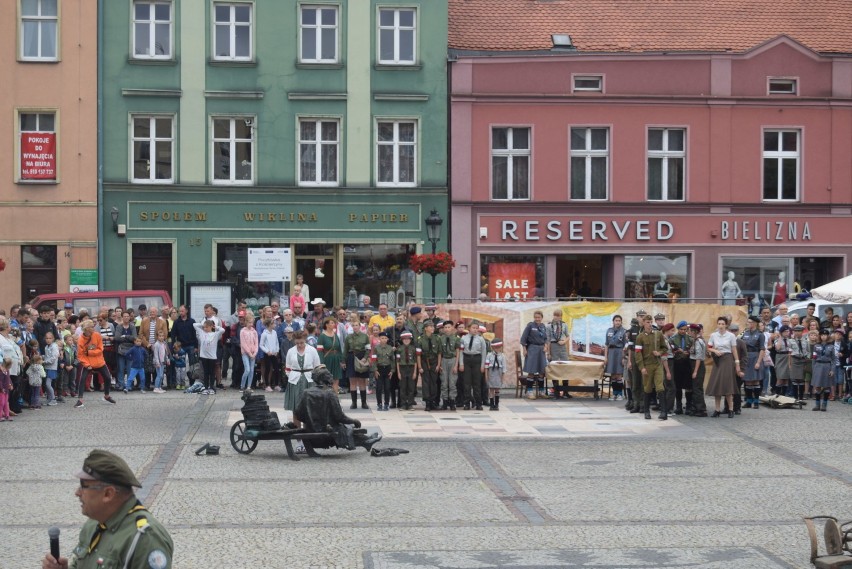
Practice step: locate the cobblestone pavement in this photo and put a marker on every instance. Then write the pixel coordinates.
(539, 484)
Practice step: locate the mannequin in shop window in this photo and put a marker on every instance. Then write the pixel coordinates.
(637, 288)
(779, 289)
(731, 290)
(662, 288)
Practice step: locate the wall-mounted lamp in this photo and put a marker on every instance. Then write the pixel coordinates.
(119, 228)
(483, 233)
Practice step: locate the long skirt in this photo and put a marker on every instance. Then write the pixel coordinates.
(820, 375)
(294, 393)
(797, 370)
(536, 360)
(614, 361)
(782, 366)
(723, 380)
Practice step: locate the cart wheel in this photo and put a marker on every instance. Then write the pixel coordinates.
(239, 441)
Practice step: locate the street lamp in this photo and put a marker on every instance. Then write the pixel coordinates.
(433, 233)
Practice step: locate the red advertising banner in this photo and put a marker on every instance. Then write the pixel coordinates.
(38, 156)
(511, 280)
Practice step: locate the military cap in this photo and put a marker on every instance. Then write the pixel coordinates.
(798, 328)
(754, 318)
(104, 466)
(406, 335)
(682, 324)
(431, 307)
(659, 316)
(696, 327)
(641, 312)
(783, 329)
(383, 335)
(734, 327)
(496, 342)
(415, 310)
(429, 323)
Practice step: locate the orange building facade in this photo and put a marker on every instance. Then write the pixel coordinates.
(49, 157)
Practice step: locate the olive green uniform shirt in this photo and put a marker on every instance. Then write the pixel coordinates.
(429, 350)
(646, 345)
(450, 346)
(153, 549)
(384, 356)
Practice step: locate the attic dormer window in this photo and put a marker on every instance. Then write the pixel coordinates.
(783, 86)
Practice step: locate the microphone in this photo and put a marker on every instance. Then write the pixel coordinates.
(53, 533)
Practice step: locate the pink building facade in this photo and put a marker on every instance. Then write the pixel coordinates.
(635, 175)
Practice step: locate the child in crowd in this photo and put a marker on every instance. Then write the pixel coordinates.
(160, 353)
(179, 364)
(312, 340)
(51, 365)
(35, 375)
(136, 360)
(406, 370)
(69, 362)
(495, 366)
(249, 346)
(5, 389)
(270, 348)
(382, 360)
(208, 339)
(823, 370)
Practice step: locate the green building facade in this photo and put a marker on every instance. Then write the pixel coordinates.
(318, 127)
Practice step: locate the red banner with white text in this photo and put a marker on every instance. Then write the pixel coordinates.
(511, 280)
(38, 155)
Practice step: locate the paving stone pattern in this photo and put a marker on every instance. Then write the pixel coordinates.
(539, 484)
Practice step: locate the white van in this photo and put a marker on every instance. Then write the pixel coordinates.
(801, 308)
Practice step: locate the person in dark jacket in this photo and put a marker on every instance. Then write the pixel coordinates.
(183, 331)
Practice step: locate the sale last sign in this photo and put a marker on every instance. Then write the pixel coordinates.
(38, 155)
(511, 280)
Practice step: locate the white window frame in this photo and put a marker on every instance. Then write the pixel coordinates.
(588, 154)
(665, 154)
(40, 20)
(232, 25)
(232, 181)
(510, 153)
(152, 141)
(396, 38)
(588, 77)
(320, 27)
(792, 82)
(152, 23)
(781, 155)
(18, 131)
(396, 146)
(317, 143)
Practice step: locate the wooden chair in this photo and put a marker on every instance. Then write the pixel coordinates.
(837, 540)
(520, 377)
(606, 383)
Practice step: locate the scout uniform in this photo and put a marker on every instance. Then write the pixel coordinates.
(429, 361)
(646, 344)
(696, 405)
(636, 402)
(450, 346)
(473, 350)
(382, 362)
(416, 326)
(406, 368)
(755, 343)
(132, 537)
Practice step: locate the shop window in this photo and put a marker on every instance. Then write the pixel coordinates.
(579, 276)
(657, 277)
(511, 277)
(769, 281)
(232, 267)
(378, 271)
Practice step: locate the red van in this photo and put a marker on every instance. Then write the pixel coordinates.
(94, 301)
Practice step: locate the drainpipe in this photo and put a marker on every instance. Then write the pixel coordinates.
(100, 133)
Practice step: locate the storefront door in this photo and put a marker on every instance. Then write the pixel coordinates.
(318, 273)
(579, 275)
(38, 271)
(152, 266)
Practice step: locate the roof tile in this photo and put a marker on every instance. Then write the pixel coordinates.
(649, 25)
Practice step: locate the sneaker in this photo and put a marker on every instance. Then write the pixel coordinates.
(52, 403)
(79, 404)
(278, 389)
(300, 449)
(159, 390)
(268, 389)
(212, 392)
(142, 391)
(108, 399)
